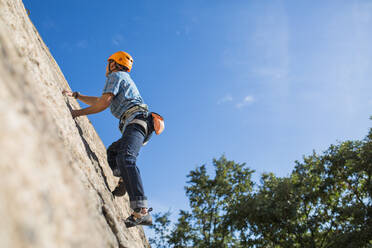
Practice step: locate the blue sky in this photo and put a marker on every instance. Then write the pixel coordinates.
(263, 82)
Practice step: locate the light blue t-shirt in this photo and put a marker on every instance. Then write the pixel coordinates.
(126, 94)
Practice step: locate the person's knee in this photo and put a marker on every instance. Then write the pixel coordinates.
(113, 148)
(112, 152)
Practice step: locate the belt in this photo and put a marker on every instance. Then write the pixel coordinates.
(132, 110)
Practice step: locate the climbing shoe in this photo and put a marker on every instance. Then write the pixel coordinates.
(144, 220)
(120, 189)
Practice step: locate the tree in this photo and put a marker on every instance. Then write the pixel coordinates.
(325, 202)
(183, 235)
(207, 225)
(161, 228)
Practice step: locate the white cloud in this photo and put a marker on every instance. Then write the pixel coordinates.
(246, 101)
(49, 24)
(263, 50)
(117, 39)
(82, 44)
(272, 38)
(227, 98)
(184, 30)
(341, 78)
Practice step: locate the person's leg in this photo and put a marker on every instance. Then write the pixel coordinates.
(130, 145)
(112, 152)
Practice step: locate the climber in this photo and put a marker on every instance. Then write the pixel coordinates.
(136, 125)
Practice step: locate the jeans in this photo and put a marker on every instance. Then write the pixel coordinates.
(122, 157)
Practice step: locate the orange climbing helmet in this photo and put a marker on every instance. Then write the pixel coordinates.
(122, 58)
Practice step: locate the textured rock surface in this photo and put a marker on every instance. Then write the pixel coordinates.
(55, 182)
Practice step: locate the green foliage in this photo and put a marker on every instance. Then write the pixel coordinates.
(325, 202)
(210, 200)
(211, 197)
(161, 228)
(183, 235)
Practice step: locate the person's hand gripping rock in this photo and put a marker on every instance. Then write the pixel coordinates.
(74, 95)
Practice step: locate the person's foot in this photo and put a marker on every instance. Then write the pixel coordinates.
(116, 172)
(120, 189)
(139, 217)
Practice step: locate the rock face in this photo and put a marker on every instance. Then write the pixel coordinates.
(55, 181)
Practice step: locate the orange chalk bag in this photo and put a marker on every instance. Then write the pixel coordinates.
(158, 123)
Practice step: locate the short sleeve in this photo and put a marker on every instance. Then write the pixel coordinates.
(112, 84)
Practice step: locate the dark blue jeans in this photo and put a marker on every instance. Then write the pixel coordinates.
(122, 157)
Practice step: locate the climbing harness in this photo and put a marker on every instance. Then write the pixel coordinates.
(140, 115)
(134, 109)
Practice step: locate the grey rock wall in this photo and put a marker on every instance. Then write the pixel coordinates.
(54, 178)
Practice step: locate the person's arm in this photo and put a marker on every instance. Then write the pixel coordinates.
(90, 100)
(111, 88)
(101, 104)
